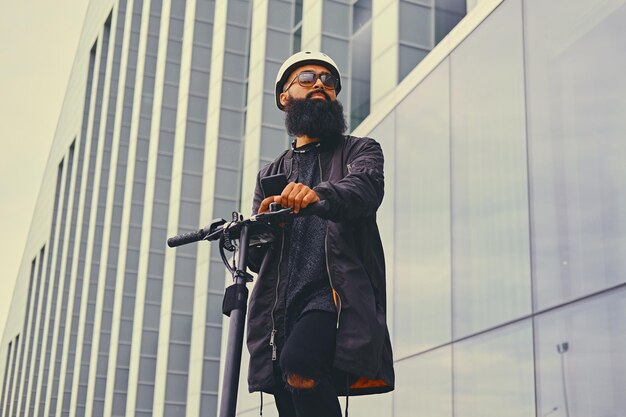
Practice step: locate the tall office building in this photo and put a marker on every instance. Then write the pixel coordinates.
(503, 220)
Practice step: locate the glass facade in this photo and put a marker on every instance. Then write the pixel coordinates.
(503, 219)
(422, 261)
(581, 357)
(508, 244)
(575, 127)
(489, 213)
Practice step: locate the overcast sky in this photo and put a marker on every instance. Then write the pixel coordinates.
(38, 41)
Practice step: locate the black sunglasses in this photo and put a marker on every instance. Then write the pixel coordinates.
(308, 79)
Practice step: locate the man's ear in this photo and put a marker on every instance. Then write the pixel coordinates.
(284, 97)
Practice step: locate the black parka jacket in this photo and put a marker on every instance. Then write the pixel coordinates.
(353, 184)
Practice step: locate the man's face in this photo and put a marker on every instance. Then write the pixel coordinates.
(312, 109)
(317, 91)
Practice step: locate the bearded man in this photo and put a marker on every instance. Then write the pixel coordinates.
(317, 314)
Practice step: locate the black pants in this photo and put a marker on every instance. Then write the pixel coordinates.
(308, 353)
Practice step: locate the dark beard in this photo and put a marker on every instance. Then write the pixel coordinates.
(315, 118)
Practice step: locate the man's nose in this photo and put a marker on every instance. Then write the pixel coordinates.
(318, 84)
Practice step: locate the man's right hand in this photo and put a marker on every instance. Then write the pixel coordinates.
(295, 196)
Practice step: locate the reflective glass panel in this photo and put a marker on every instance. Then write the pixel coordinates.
(447, 14)
(361, 13)
(409, 57)
(490, 238)
(424, 385)
(576, 129)
(416, 24)
(361, 76)
(208, 405)
(422, 208)
(581, 358)
(336, 18)
(493, 373)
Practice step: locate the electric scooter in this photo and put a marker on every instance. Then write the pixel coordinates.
(238, 235)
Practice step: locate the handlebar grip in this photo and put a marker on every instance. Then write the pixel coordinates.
(275, 207)
(186, 238)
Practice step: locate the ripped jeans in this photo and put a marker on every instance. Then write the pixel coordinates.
(304, 385)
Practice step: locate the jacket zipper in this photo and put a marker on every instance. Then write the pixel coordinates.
(280, 260)
(273, 333)
(330, 278)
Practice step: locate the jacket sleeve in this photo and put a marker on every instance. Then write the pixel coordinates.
(258, 195)
(256, 254)
(360, 192)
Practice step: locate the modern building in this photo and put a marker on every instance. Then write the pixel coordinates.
(504, 218)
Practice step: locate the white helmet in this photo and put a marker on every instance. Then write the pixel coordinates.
(300, 59)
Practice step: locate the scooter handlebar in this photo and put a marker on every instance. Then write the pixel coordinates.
(316, 209)
(186, 238)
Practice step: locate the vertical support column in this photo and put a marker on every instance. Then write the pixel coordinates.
(24, 390)
(6, 412)
(169, 386)
(27, 332)
(312, 25)
(7, 375)
(125, 146)
(221, 190)
(144, 127)
(65, 342)
(385, 15)
(116, 137)
(68, 360)
(88, 233)
(256, 86)
(52, 279)
(160, 187)
(98, 233)
(195, 404)
(59, 302)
